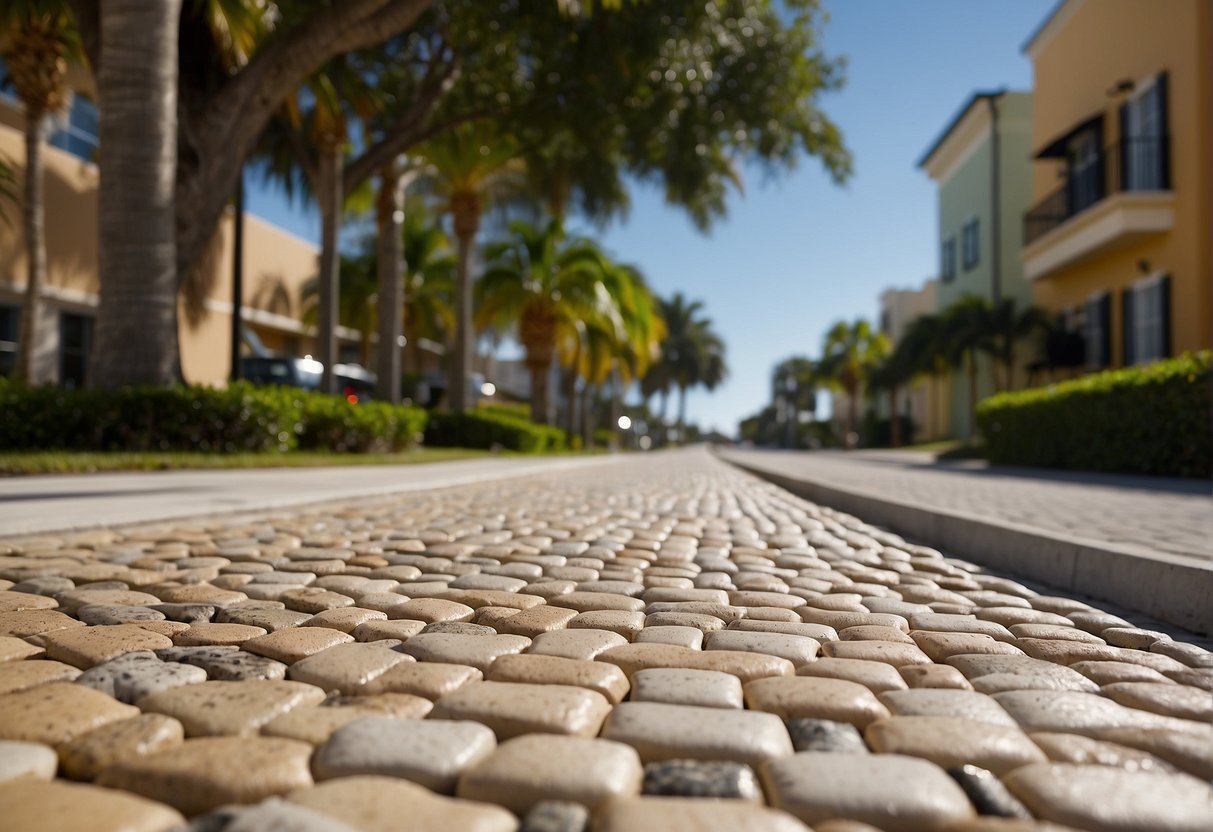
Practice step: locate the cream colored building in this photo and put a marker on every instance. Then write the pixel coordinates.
(276, 265)
(925, 402)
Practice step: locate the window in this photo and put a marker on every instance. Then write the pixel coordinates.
(1147, 320)
(1143, 131)
(1095, 330)
(947, 260)
(969, 243)
(10, 327)
(1085, 169)
(75, 344)
(76, 131)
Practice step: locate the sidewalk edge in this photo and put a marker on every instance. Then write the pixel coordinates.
(1168, 589)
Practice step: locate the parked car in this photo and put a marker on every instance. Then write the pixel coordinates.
(354, 382)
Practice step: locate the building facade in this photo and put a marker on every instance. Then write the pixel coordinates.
(980, 165)
(1118, 243)
(276, 265)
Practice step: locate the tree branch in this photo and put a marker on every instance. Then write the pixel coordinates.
(405, 132)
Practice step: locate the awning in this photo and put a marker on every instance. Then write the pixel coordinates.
(1056, 149)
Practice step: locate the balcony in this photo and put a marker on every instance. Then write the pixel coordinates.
(1111, 197)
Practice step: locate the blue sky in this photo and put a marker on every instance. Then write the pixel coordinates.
(798, 253)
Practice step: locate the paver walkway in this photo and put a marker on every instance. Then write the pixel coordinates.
(1150, 514)
(662, 643)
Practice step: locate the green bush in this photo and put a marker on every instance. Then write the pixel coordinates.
(239, 418)
(1153, 419)
(479, 429)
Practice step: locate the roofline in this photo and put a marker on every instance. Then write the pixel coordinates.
(980, 95)
(1040, 28)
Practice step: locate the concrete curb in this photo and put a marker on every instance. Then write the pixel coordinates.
(1169, 588)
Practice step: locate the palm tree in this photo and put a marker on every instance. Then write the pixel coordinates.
(473, 165)
(38, 40)
(429, 281)
(692, 353)
(968, 326)
(1008, 326)
(849, 354)
(547, 287)
(136, 334)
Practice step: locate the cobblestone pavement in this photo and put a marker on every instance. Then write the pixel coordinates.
(1151, 514)
(663, 643)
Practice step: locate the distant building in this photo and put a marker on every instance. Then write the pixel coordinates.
(1118, 243)
(925, 402)
(980, 163)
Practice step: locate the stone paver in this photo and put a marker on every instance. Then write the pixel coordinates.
(632, 645)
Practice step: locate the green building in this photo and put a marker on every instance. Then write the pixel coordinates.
(982, 165)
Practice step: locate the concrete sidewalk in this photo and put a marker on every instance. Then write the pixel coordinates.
(31, 505)
(1146, 544)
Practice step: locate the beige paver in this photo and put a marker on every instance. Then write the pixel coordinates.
(384, 804)
(600, 677)
(526, 770)
(201, 774)
(33, 806)
(57, 712)
(660, 731)
(230, 708)
(86, 756)
(512, 709)
(815, 697)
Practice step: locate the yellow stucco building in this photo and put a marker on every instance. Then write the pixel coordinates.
(1119, 242)
(276, 265)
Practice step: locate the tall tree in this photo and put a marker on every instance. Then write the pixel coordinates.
(849, 354)
(136, 334)
(472, 165)
(969, 331)
(692, 354)
(38, 40)
(546, 287)
(1009, 325)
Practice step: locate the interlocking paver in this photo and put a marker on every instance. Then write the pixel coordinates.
(590, 622)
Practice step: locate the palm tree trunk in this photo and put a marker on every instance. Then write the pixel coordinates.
(616, 407)
(329, 199)
(467, 220)
(136, 333)
(894, 419)
(682, 412)
(539, 388)
(34, 218)
(972, 368)
(851, 440)
(570, 400)
(390, 218)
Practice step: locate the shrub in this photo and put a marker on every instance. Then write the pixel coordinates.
(330, 422)
(479, 429)
(239, 418)
(1153, 419)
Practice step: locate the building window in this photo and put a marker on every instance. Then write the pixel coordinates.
(1085, 170)
(1143, 133)
(969, 243)
(10, 328)
(1147, 320)
(75, 344)
(947, 260)
(76, 130)
(1095, 330)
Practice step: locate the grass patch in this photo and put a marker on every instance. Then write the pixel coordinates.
(86, 462)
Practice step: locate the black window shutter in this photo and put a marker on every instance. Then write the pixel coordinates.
(1105, 320)
(1126, 324)
(1164, 302)
(1165, 122)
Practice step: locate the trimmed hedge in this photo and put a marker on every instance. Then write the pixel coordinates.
(479, 429)
(1153, 419)
(239, 418)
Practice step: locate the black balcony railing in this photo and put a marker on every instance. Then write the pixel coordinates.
(1134, 164)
